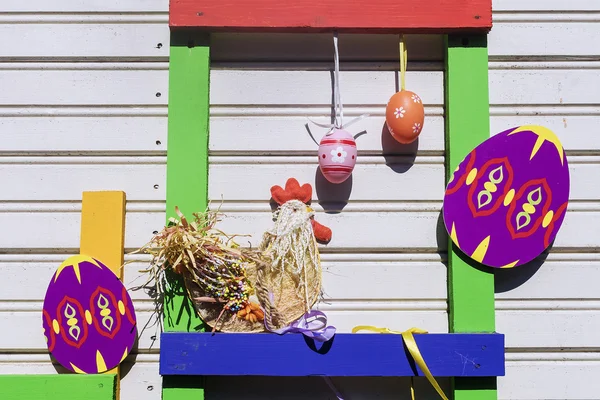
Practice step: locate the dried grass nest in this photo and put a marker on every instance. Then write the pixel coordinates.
(233, 288)
(217, 272)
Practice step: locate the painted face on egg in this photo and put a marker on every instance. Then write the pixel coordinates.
(337, 156)
(507, 199)
(88, 318)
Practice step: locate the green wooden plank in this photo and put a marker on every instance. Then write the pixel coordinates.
(187, 174)
(183, 388)
(187, 154)
(470, 285)
(475, 388)
(58, 387)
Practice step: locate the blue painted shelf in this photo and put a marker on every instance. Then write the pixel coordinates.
(264, 354)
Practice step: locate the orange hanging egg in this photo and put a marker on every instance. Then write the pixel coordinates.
(404, 116)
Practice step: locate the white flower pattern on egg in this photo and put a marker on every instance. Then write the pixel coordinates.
(416, 127)
(399, 113)
(338, 155)
(416, 98)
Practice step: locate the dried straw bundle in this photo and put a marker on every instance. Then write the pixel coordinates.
(293, 273)
(215, 269)
(233, 288)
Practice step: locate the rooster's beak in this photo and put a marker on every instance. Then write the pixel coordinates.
(309, 209)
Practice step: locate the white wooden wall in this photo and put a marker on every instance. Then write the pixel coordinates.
(79, 111)
(544, 62)
(83, 94)
(382, 266)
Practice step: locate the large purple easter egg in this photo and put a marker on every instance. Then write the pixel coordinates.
(337, 156)
(88, 317)
(507, 199)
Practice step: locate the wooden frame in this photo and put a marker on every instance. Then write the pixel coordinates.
(407, 16)
(187, 161)
(347, 354)
(470, 288)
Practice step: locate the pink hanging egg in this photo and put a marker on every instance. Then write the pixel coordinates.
(337, 156)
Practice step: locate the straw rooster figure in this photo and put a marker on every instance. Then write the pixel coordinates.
(293, 191)
(290, 283)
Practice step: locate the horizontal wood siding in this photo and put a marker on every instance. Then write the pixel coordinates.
(79, 111)
(83, 107)
(544, 70)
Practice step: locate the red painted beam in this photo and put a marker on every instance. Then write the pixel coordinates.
(377, 16)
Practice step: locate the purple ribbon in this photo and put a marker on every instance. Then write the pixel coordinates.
(313, 324)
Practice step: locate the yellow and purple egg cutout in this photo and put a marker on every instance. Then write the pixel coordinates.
(507, 200)
(88, 317)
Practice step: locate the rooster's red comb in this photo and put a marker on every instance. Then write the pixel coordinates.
(292, 191)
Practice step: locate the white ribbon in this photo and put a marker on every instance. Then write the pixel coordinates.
(337, 97)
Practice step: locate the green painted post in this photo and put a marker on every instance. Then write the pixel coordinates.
(187, 176)
(470, 286)
(58, 387)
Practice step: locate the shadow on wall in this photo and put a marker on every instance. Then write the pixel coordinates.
(398, 157)
(504, 279)
(332, 197)
(125, 367)
(316, 388)
(511, 278)
(442, 238)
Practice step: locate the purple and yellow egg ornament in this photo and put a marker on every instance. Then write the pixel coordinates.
(507, 199)
(88, 318)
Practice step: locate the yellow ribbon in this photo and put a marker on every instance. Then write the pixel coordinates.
(403, 62)
(411, 344)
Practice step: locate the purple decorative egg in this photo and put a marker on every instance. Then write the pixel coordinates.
(507, 199)
(337, 156)
(88, 317)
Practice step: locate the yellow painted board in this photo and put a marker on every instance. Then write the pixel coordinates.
(103, 228)
(103, 235)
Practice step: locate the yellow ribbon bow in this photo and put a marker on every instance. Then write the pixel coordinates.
(411, 344)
